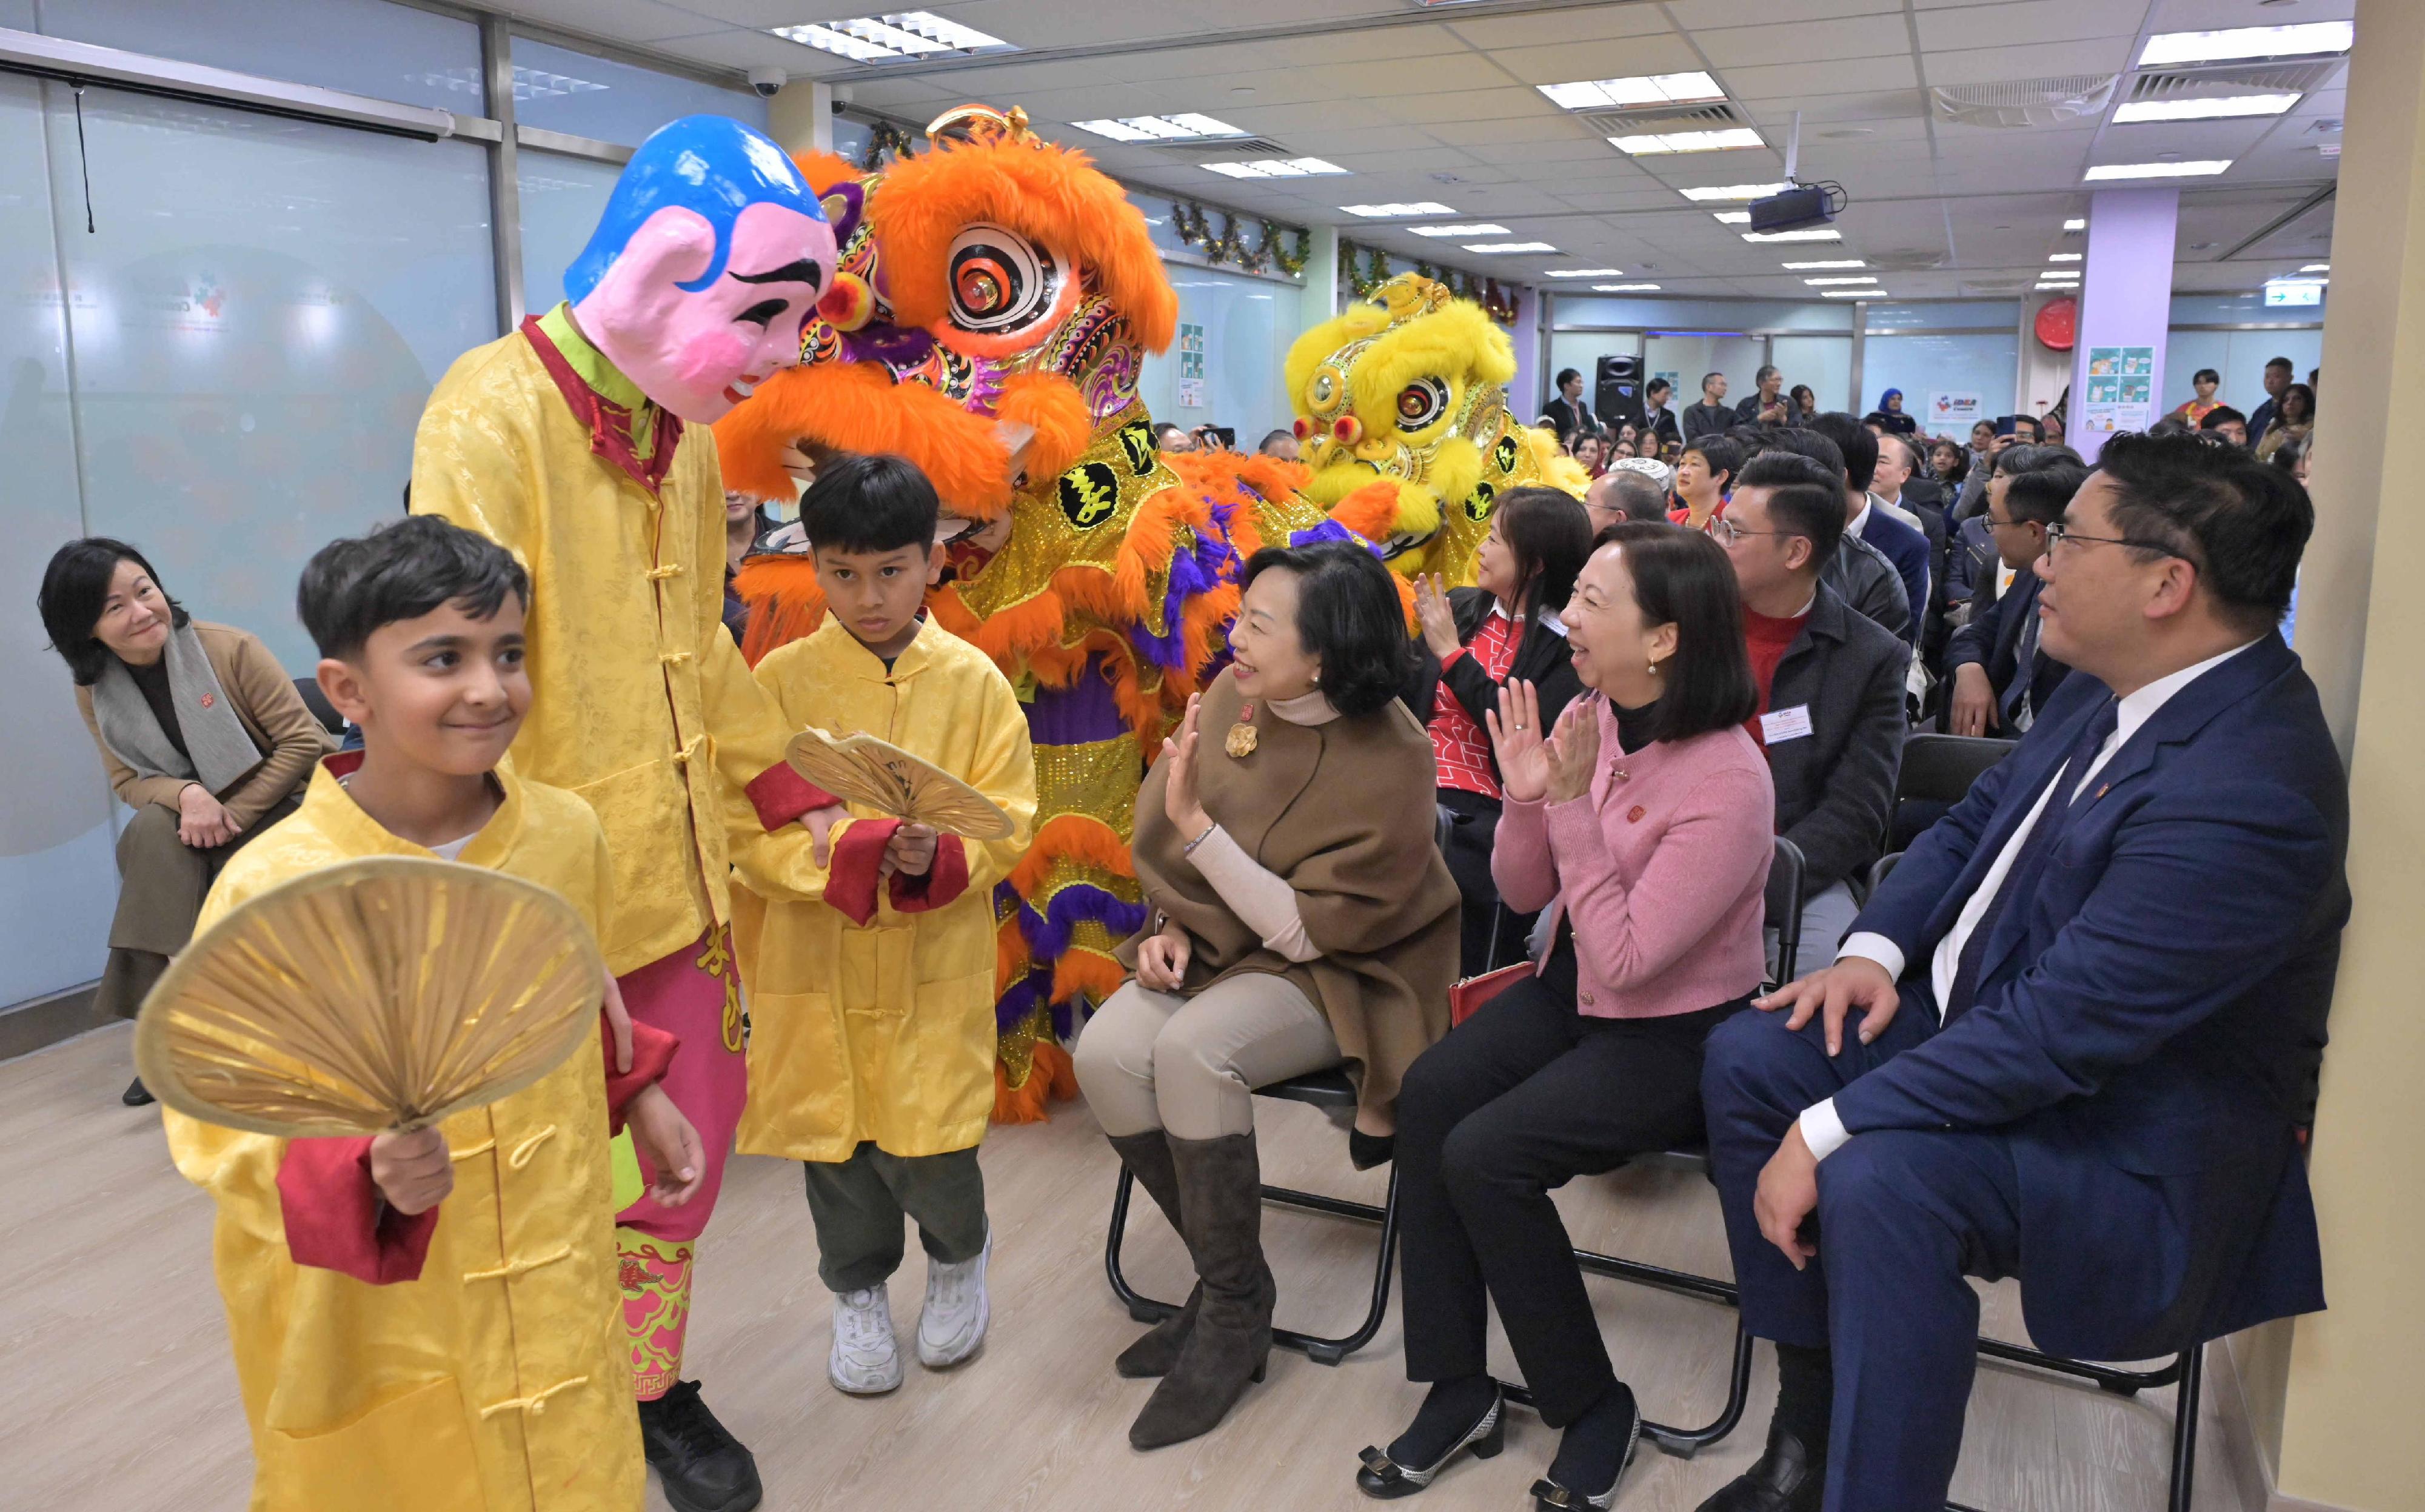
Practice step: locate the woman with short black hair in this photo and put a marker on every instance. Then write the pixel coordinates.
(199, 733)
(1473, 641)
(1301, 916)
(1646, 819)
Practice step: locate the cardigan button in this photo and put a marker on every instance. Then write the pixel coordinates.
(1589, 1001)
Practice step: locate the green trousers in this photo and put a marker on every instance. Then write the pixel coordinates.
(859, 1205)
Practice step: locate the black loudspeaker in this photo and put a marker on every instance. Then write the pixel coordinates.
(1617, 396)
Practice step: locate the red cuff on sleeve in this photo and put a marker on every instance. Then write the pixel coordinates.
(781, 795)
(1451, 659)
(943, 883)
(336, 1221)
(850, 882)
(652, 1051)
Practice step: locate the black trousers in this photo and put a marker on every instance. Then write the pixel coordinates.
(1470, 838)
(1516, 1101)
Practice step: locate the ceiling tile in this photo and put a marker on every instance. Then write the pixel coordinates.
(1564, 27)
(1802, 81)
(2029, 20)
(2028, 61)
(1622, 58)
(1855, 38)
(1469, 105)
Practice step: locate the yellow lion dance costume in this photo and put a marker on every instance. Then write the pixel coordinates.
(995, 298)
(1412, 386)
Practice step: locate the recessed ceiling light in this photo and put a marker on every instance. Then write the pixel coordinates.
(2317, 268)
(1383, 212)
(1640, 90)
(1851, 294)
(2056, 288)
(2198, 168)
(1509, 247)
(891, 38)
(2076, 224)
(1272, 168)
(2063, 257)
(1688, 141)
(1817, 283)
(1735, 192)
(2302, 41)
(1585, 272)
(1832, 262)
(1622, 288)
(2222, 109)
(1816, 233)
(1159, 128)
(1481, 227)
(1732, 217)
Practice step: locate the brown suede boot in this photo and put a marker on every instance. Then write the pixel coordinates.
(1221, 1197)
(1147, 1157)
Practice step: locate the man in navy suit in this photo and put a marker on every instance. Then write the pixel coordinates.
(2002, 676)
(1905, 545)
(2074, 1038)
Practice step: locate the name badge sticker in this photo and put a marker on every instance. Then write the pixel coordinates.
(1785, 724)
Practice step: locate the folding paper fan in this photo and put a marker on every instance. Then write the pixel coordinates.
(375, 996)
(881, 776)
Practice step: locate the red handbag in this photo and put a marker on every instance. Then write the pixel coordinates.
(1465, 998)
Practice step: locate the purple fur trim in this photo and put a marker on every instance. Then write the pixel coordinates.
(1048, 933)
(1330, 530)
(1025, 997)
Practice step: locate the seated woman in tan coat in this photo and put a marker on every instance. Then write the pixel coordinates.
(1302, 917)
(201, 732)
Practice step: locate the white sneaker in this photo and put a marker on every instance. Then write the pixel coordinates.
(866, 1359)
(952, 1324)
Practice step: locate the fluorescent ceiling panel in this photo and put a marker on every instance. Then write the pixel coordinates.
(2063, 257)
(2224, 108)
(1480, 228)
(1689, 141)
(1622, 288)
(1818, 282)
(2307, 39)
(1272, 168)
(1812, 233)
(1509, 247)
(1585, 272)
(1854, 294)
(1831, 262)
(888, 39)
(1735, 192)
(2075, 224)
(2193, 168)
(1732, 217)
(1637, 91)
(1182, 128)
(1386, 212)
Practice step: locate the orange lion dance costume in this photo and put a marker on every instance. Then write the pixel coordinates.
(996, 296)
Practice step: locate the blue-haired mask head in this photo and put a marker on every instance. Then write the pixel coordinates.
(712, 252)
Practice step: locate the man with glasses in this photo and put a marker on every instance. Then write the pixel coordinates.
(2002, 673)
(1830, 684)
(2074, 1038)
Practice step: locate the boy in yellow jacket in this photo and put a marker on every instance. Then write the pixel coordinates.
(871, 970)
(430, 1320)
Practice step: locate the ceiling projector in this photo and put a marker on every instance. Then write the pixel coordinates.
(1805, 204)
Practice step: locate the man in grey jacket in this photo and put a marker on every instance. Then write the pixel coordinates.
(1859, 573)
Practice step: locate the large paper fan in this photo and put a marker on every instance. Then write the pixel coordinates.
(374, 996)
(881, 776)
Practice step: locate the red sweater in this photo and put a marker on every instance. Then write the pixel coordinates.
(1768, 639)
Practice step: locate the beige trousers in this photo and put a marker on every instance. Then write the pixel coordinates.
(1189, 1066)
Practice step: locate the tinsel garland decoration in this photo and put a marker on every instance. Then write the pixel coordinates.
(882, 137)
(1229, 247)
(1366, 268)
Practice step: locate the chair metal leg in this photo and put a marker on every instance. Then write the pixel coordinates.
(2191, 1366)
(1321, 1349)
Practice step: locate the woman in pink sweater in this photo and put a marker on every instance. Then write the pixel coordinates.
(1645, 822)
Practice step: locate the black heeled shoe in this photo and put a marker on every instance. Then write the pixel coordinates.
(138, 1095)
(1550, 1496)
(1384, 1479)
(1364, 1150)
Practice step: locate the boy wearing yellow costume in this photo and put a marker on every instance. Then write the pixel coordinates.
(871, 970)
(428, 1320)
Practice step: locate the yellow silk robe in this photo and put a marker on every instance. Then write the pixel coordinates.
(884, 1032)
(500, 1381)
(640, 700)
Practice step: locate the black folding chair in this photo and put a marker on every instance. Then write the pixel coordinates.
(1329, 1090)
(1936, 771)
(317, 701)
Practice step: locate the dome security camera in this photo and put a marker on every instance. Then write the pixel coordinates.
(767, 80)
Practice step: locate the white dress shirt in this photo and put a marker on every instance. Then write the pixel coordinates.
(1821, 1130)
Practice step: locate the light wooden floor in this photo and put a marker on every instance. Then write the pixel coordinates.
(126, 1399)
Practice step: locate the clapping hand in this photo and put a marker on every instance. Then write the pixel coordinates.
(1516, 738)
(1431, 612)
(1574, 750)
(1180, 801)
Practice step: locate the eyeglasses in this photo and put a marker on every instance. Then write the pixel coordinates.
(2060, 535)
(1729, 532)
